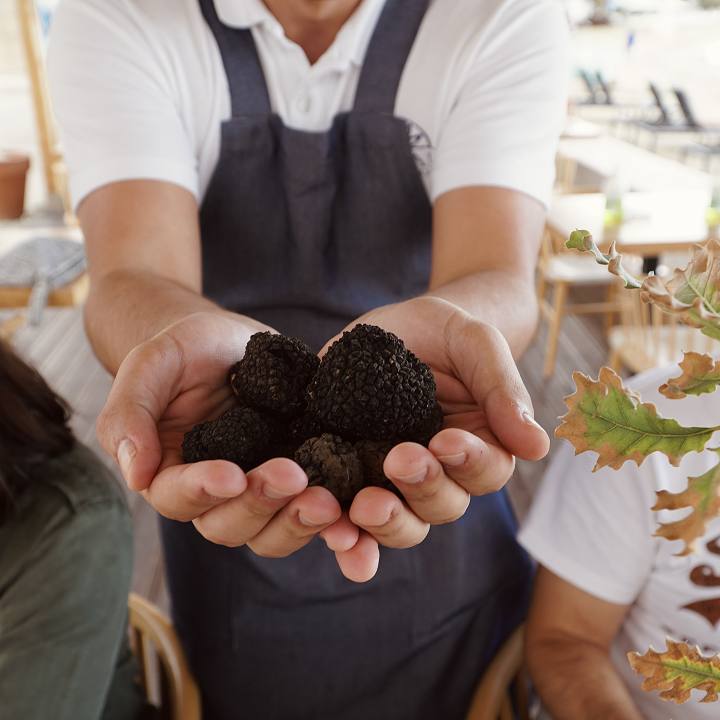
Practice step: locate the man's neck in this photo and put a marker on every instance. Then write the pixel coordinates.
(312, 24)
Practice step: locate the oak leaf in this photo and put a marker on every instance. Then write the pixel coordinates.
(700, 374)
(609, 419)
(702, 496)
(693, 293)
(677, 671)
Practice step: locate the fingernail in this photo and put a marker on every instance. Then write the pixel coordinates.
(309, 523)
(413, 479)
(275, 494)
(530, 420)
(453, 460)
(125, 455)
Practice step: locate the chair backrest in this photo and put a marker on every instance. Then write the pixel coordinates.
(647, 337)
(164, 672)
(686, 109)
(604, 86)
(659, 103)
(503, 691)
(589, 84)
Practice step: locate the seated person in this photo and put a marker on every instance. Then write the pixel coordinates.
(606, 586)
(65, 564)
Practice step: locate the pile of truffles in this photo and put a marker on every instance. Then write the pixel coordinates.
(337, 417)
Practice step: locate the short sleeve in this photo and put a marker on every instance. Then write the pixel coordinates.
(504, 126)
(112, 92)
(594, 530)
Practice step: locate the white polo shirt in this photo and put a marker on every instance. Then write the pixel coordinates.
(140, 91)
(595, 530)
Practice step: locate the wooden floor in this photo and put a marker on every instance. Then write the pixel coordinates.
(59, 349)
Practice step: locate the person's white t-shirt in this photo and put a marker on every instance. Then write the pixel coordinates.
(596, 532)
(139, 88)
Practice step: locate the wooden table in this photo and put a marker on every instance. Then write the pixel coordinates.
(655, 222)
(601, 158)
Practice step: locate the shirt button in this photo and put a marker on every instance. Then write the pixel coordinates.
(303, 103)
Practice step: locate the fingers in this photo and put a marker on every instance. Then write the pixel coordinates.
(270, 487)
(127, 426)
(341, 535)
(297, 523)
(477, 466)
(384, 516)
(182, 492)
(495, 384)
(360, 563)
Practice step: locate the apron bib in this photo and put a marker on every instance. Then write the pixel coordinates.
(305, 232)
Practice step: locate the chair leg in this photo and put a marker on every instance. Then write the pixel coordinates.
(541, 285)
(610, 314)
(559, 297)
(614, 361)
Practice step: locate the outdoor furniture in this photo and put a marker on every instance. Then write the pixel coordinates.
(709, 146)
(48, 140)
(503, 691)
(654, 223)
(164, 672)
(665, 122)
(41, 266)
(559, 271)
(602, 158)
(647, 337)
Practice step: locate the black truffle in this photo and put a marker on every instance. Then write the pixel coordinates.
(372, 454)
(274, 373)
(369, 386)
(331, 462)
(428, 428)
(241, 435)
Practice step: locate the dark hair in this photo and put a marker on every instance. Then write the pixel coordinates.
(33, 425)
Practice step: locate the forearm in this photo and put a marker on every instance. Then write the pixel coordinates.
(125, 308)
(576, 679)
(499, 298)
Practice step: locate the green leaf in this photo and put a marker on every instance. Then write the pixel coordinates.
(607, 418)
(700, 374)
(678, 671)
(702, 496)
(583, 240)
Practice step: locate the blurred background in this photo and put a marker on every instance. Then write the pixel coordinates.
(638, 164)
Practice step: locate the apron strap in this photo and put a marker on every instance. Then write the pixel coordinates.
(246, 81)
(387, 53)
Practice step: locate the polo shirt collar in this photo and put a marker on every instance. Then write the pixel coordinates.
(350, 43)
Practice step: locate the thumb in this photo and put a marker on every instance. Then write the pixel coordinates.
(127, 426)
(487, 369)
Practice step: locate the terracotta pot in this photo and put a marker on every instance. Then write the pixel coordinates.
(13, 173)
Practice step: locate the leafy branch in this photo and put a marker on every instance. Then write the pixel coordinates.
(692, 293)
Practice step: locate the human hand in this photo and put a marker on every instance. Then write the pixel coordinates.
(488, 421)
(170, 383)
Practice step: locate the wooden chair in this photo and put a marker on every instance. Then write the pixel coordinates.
(53, 163)
(503, 691)
(647, 337)
(165, 676)
(559, 270)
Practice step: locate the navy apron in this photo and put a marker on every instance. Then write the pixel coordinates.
(306, 231)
